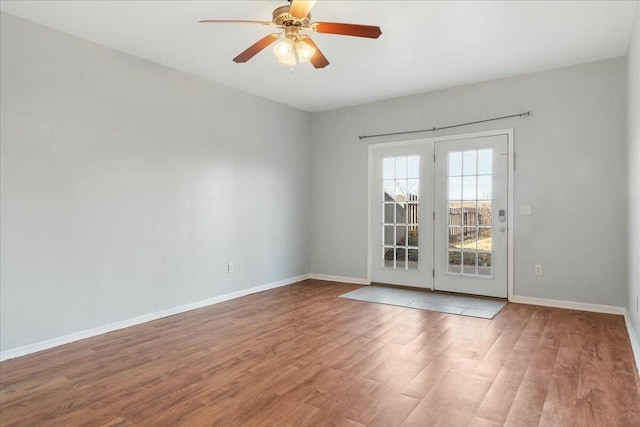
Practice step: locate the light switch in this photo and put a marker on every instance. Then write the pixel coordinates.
(525, 209)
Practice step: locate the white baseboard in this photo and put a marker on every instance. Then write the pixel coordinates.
(76, 336)
(329, 278)
(633, 337)
(571, 305)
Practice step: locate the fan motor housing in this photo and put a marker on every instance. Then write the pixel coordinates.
(281, 16)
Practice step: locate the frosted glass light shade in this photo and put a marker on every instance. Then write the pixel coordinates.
(305, 51)
(284, 51)
(293, 52)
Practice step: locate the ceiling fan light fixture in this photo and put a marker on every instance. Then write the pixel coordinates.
(292, 51)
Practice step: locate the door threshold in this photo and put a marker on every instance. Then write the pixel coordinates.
(436, 292)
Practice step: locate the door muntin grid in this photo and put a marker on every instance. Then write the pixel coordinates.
(469, 211)
(400, 212)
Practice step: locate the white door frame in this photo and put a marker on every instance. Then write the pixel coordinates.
(433, 140)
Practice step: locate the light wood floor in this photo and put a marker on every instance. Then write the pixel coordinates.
(301, 356)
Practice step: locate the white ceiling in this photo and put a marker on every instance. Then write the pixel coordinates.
(425, 45)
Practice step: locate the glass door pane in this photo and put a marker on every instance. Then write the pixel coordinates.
(400, 205)
(469, 215)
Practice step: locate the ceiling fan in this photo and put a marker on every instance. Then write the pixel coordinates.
(297, 47)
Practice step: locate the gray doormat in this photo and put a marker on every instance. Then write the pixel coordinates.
(485, 308)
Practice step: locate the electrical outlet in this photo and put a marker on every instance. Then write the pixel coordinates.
(538, 269)
(230, 267)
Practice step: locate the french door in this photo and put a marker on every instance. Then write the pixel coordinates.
(402, 205)
(439, 214)
(471, 216)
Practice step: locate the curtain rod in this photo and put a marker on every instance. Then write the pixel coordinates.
(444, 127)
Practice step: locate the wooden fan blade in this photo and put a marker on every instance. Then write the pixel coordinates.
(355, 30)
(234, 21)
(255, 48)
(300, 8)
(318, 60)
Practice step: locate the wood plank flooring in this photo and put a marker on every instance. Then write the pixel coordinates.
(298, 355)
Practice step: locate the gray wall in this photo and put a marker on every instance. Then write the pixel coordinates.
(128, 186)
(570, 167)
(633, 114)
